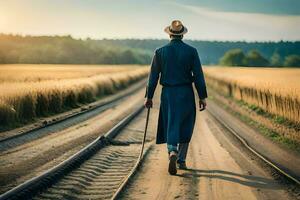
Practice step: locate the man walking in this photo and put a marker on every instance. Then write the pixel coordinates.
(178, 65)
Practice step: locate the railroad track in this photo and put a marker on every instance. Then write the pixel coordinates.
(99, 171)
(85, 113)
(277, 168)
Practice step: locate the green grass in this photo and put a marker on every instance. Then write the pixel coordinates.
(274, 118)
(274, 136)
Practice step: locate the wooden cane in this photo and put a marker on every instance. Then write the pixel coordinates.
(144, 139)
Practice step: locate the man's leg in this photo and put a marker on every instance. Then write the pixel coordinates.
(182, 153)
(173, 151)
(172, 148)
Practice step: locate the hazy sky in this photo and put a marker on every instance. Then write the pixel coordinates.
(250, 20)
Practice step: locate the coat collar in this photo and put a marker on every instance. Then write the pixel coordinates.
(176, 40)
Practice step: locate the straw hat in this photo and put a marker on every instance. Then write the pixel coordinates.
(176, 28)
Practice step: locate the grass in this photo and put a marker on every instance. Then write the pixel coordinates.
(273, 135)
(269, 90)
(33, 91)
(274, 118)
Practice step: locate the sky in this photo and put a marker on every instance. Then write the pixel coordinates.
(230, 20)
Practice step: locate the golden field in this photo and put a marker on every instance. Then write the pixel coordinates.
(274, 90)
(30, 91)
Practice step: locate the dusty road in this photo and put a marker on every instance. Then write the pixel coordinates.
(217, 170)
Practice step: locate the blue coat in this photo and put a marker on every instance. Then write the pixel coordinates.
(177, 65)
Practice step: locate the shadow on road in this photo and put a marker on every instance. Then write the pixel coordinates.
(248, 180)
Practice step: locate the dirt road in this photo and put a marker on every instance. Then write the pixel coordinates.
(217, 170)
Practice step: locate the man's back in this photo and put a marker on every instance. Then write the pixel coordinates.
(177, 64)
(176, 60)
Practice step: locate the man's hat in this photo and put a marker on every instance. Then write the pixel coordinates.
(176, 28)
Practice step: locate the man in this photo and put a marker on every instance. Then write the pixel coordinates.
(178, 65)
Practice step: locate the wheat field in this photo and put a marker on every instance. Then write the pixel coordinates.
(274, 90)
(31, 91)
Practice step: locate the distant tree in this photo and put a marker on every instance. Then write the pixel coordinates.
(292, 61)
(275, 60)
(233, 57)
(255, 59)
(127, 57)
(67, 50)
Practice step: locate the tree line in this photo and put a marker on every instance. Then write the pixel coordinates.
(236, 57)
(67, 50)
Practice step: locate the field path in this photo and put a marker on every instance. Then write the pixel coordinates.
(217, 170)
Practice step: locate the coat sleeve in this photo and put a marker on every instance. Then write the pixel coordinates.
(199, 80)
(153, 76)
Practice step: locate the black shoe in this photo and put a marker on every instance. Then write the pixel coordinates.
(172, 163)
(182, 165)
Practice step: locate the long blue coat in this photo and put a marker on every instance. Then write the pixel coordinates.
(177, 65)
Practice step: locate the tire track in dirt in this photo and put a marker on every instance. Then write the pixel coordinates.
(97, 178)
(26, 161)
(100, 176)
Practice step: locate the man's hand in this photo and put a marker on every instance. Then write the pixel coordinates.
(202, 104)
(148, 103)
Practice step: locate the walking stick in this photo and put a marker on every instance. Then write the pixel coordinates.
(144, 139)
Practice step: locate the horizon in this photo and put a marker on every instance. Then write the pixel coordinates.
(206, 20)
(167, 38)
